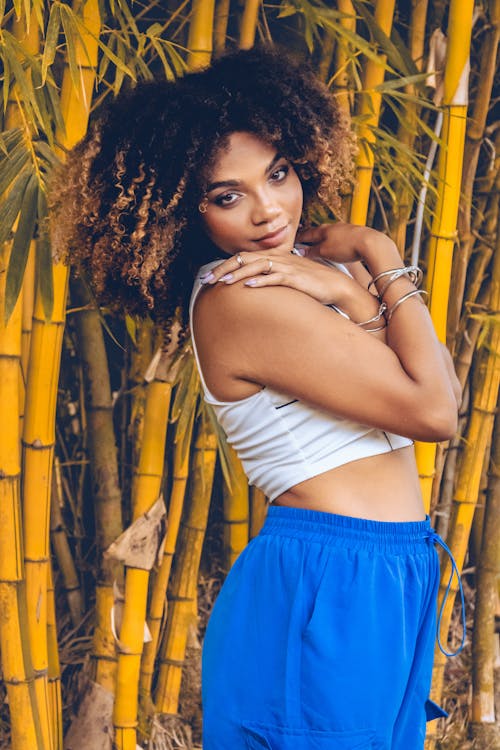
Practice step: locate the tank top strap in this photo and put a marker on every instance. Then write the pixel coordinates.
(196, 288)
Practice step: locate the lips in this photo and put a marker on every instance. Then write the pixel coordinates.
(272, 239)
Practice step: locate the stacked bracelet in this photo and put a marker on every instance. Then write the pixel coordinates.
(413, 272)
(390, 311)
(375, 319)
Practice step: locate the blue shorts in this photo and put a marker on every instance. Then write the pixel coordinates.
(322, 637)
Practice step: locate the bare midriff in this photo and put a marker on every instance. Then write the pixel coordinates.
(384, 487)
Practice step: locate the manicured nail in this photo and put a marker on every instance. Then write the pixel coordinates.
(226, 277)
(251, 282)
(207, 277)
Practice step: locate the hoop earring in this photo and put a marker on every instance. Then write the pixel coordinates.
(202, 207)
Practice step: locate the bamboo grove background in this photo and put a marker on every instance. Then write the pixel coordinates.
(121, 506)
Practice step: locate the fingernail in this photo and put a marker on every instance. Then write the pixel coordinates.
(298, 250)
(251, 282)
(207, 277)
(226, 277)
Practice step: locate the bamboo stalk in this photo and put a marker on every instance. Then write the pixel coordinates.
(200, 35)
(185, 574)
(235, 511)
(478, 436)
(483, 724)
(406, 130)
(444, 225)
(369, 110)
(62, 551)
(473, 141)
(54, 667)
(158, 606)
(39, 423)
(220, 25)
(248, 25)
(104, 472)
(145, 492)
(342, 80)
(17, 670)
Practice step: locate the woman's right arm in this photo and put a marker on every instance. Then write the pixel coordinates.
(282, 338)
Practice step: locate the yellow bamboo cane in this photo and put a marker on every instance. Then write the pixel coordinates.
(248, 26)
(369, 109)
(54, 668)
(145, 492)
(473, 140)
(477, 438)
(235, 512)
(444, 226)
(200, 34)
(220, 25)
(17, 672)
(43, 372)
(28, 300)
(185, 578)
(342, 84)
(158, 607)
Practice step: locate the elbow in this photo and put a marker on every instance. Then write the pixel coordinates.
(440, 423)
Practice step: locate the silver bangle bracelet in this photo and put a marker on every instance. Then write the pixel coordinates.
(390, 312)
(413, 272)
(376, 318)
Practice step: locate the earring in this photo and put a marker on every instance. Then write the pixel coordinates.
(202, 207)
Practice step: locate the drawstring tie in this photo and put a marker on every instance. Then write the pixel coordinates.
(454, 569)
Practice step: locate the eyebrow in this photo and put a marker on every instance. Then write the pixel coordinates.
(237, 183)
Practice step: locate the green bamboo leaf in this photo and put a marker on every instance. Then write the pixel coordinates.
(72, 34)
(21, 245)
(53, 95)
(51, 39)
(131, 327)
(399, 58)
(6, 81)
(44, 272)
(11, 205)
(15, 53)
(157, 45)
(390, 84)
(11, 167)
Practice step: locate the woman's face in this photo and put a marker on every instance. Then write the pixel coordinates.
(254, 198)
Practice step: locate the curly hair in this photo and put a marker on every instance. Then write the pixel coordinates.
(123, 206)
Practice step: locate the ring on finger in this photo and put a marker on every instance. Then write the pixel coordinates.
(240, 260)
(269, 268)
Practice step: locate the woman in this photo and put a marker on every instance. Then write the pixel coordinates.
(322, 366)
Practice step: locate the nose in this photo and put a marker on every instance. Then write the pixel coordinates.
(265, 207)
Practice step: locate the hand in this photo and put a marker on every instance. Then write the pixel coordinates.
(324, 283)
(342, 242)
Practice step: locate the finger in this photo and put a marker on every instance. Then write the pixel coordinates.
(263, 266)
(227, 267)
(311, 236)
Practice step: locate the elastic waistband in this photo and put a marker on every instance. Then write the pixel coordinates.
(346, 531)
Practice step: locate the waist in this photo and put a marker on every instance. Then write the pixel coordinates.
(383, 487)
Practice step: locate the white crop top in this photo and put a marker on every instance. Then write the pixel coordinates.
(282, 441)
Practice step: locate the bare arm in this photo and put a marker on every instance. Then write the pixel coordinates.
(281, 337)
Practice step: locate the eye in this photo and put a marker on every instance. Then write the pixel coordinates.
(227, 199)
(280, 174)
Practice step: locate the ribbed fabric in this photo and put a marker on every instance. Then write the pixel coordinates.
(282, 441)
